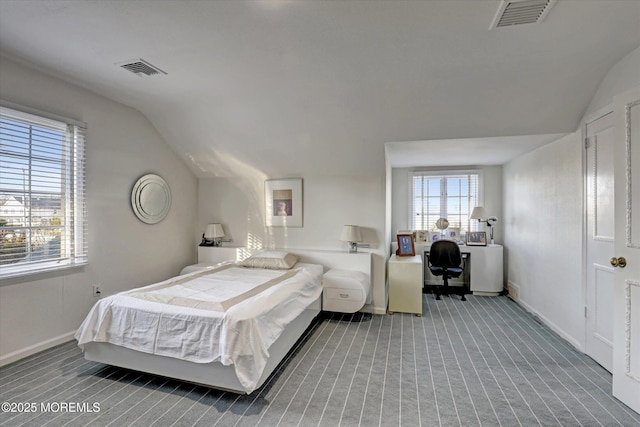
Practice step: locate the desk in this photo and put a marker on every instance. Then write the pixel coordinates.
(456, 285)
(485, 273)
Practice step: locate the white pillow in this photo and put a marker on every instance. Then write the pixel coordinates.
(272, 260)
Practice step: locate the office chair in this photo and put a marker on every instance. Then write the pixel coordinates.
(445, 260)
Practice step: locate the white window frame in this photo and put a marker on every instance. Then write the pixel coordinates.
(73, 243)
(473, 226)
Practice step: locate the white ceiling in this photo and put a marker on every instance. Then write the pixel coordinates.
(318, 87)
(468, 151)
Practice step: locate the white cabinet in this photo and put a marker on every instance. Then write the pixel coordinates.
(486, 269)
(345, 291)
(405, 284)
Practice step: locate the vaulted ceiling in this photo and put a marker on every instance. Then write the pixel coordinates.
(318, 87)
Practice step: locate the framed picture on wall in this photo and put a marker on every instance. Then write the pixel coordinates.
(283, 202)
(406, 246)
(476, 238)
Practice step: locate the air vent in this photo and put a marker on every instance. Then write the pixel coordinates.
(518, 12)
(140, 66)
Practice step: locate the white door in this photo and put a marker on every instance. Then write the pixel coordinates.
(626, 339)
(600, 236)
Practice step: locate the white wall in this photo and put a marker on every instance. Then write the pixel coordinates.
(543, 204)
(43, 310)
(329, 203)
(492, 196)
(543, 233)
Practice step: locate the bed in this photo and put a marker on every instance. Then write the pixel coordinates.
(227, 326)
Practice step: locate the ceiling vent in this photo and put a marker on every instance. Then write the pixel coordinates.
(140, 67)
(518, 12)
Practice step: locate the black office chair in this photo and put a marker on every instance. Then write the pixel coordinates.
(445, 260)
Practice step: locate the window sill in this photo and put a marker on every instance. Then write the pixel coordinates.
(19, 272)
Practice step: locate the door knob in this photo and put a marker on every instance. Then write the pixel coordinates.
(618, 262)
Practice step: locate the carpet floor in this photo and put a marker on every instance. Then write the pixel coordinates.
(483, 362)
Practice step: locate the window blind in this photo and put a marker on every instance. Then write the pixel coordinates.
(451, 196)
(42, 193)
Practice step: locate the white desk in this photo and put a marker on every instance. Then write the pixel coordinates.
(486, 274)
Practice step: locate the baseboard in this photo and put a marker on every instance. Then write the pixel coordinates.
(513, 291)
(550, 325)
(373, 309)
(36, 348)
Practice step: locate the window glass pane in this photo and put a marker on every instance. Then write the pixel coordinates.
(14, 137)
(41, 178)
(434, 187)
(449, 196)
(453, 186)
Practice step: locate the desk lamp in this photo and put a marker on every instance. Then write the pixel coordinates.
(481, 215)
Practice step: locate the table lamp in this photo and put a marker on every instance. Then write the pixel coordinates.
(351, 234)
(481, 215)
(212, 235)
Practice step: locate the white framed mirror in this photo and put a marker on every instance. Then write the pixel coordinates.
(151, 199)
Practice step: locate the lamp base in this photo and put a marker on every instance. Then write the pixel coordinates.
(210, 242)
(353, 247)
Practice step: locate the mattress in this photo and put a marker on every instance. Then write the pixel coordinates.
(228, 314)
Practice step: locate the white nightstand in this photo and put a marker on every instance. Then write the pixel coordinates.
(405, 284)
(345, 291)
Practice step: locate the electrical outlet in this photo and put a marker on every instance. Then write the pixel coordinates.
(97, 292)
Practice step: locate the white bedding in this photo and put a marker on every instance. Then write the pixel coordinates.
(207, 316)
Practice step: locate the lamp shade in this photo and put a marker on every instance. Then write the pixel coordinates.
(479, 213)
(351, 233)
(214, 231)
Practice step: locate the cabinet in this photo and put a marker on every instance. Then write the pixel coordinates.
(405, 284)
(345, 291)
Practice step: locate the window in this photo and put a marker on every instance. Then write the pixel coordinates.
(42, 192)
(444, 195)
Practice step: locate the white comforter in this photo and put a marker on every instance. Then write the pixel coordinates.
(212, 316)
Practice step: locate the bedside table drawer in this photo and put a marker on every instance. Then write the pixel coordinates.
(344, 294)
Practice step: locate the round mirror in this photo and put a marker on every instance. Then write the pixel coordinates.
(151, 199)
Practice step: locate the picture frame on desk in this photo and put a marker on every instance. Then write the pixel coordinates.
(453, 234)
(406, 245)
(476, 238)
(434, 236)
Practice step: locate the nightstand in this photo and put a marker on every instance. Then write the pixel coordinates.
(405, 284)
(344, 291)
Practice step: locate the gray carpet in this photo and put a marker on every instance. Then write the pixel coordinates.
(480, 362)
